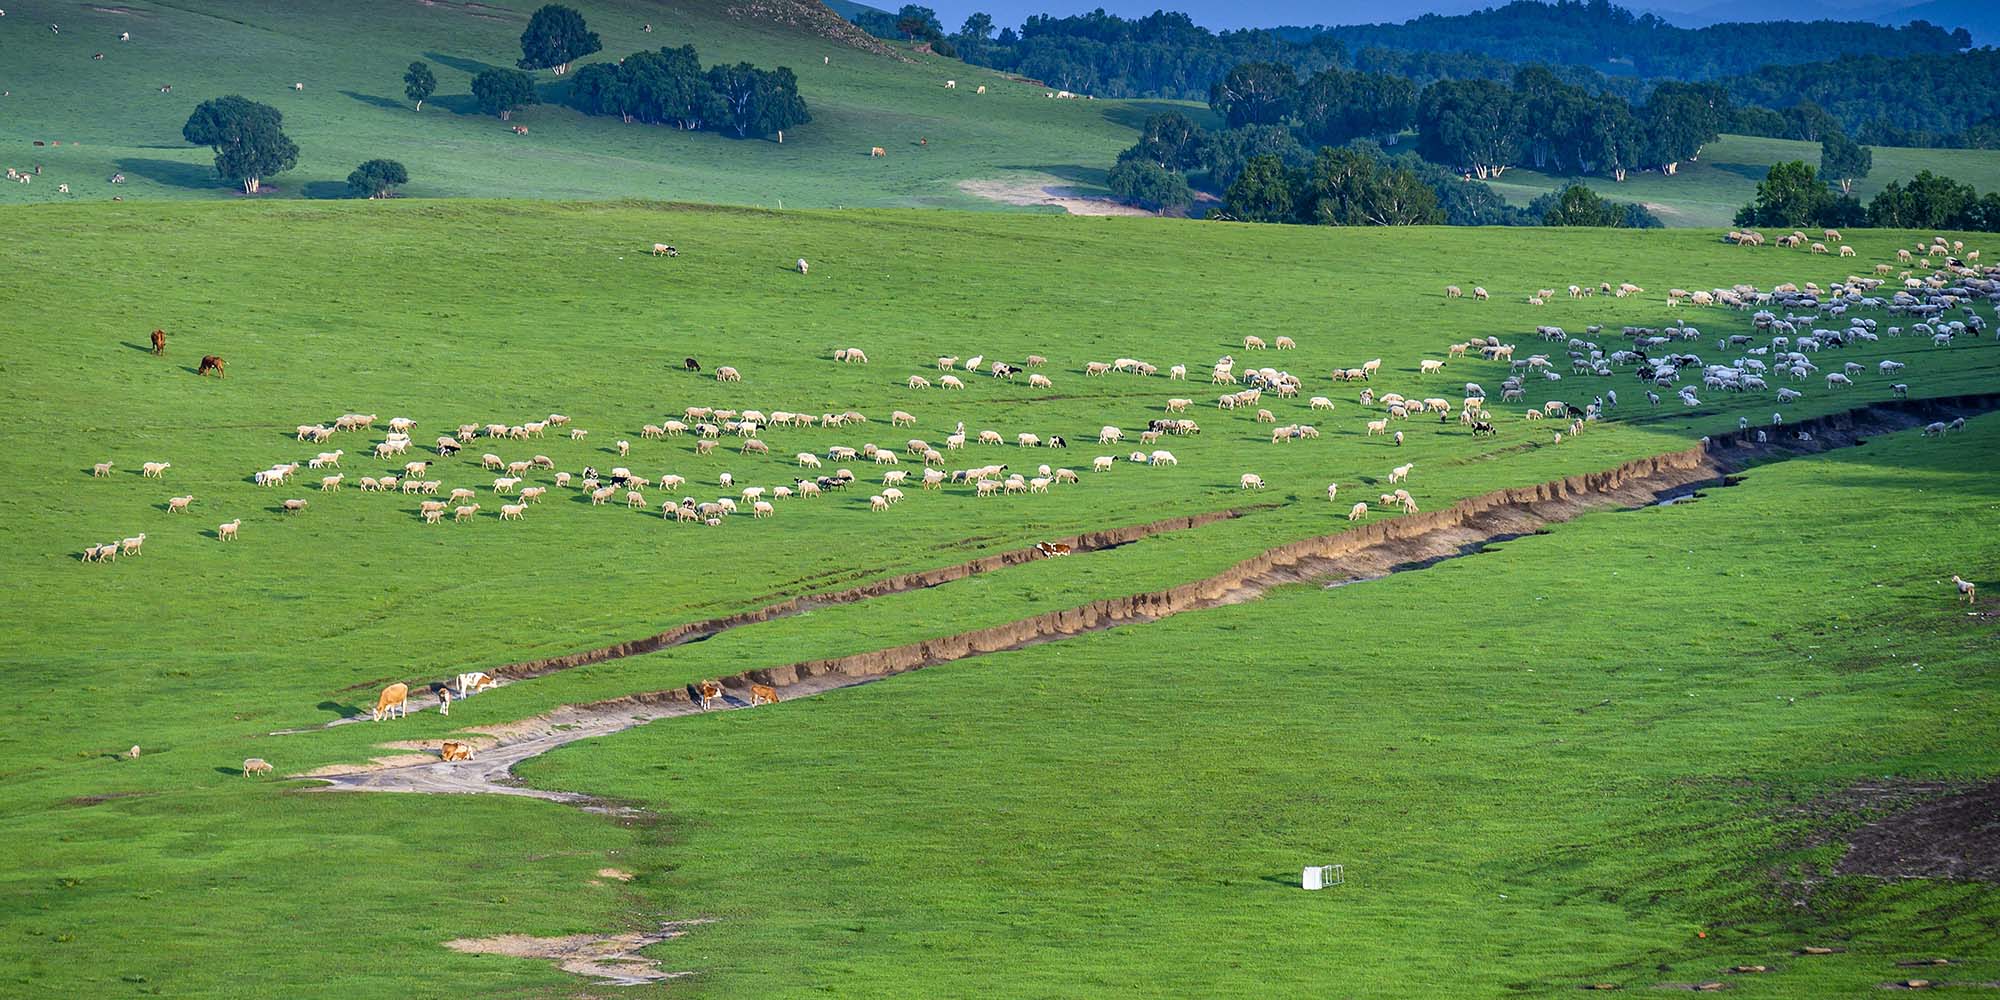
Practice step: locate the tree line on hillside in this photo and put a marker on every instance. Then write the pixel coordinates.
(1482, 127)
(669, 87)
(1600, 34)
(1795, 196)
(1890, 86)
(1263, 173)
(1917, 100)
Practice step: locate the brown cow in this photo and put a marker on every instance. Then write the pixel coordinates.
(1052, 549)
(394, 697)
(763, 694)
(710, 692)
(453, 750)
(211, 362)
(159, 343)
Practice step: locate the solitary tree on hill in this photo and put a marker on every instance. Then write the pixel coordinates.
(376, 179)
(503, 92)
(556, 37)
(1843, 160)
(419, 84)
(249, 141)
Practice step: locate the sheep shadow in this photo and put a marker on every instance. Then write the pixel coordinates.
(385, 103)
(234, 771)
(210, 533)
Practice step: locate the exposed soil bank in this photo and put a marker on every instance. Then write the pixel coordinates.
(1368, 551)
(1956, 837)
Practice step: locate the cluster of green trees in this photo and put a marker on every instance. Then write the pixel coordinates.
(1794, 195)
(1264, 173)
(1931, 99)
(669, 87)
(1597, 33)
(250, 145)
(1482, 127)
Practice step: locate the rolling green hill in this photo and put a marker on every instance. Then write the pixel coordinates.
(1460, 741)
(111, 117)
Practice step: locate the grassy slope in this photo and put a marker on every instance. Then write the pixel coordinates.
(493, 311)
(1708, 192)
(1550, 764)
(353, 108)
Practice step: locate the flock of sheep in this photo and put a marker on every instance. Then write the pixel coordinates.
(1795, 324)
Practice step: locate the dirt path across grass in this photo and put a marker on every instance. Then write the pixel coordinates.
(1367, 552)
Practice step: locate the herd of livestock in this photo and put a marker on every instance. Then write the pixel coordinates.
(1795, 326)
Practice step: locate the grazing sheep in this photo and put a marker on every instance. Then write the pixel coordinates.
(256, 765)
(1401, 472)
(1377, 427)
(1253, 343)
(177, 504)
(1250, 481)
(130, 546)
(1360, 510)
(1101, 463)
(331, 484)
(101, 469)
(1965, 587)
(1453, 292)
(226, 531)
(727, 374)
(1163, 458)
(1479, 294)
(155, 470)
(512, 511)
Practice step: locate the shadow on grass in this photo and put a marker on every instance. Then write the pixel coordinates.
(138, 347)
(1075, 174)
(172, 173)
(472, 67)
(376, 101)
(1133, 114)
(323, 190)
(1751, 171)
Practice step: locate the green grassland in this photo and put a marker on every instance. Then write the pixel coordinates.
(1552, 764)
(1708, 191)
(110, 116)
(460, 311)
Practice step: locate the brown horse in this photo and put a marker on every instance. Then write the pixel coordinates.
(211, 362)
(159, 343)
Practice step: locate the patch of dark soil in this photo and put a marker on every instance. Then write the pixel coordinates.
(1953, 837)
(85, 801)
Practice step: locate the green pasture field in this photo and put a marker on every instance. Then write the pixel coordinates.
(1559, 762)
(469, 311)
(1708, 191)
(110, 116)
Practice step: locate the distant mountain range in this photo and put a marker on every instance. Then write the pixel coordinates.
(1979, 17)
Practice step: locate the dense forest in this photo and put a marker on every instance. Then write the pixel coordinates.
(1920, 100)
(1598, 34)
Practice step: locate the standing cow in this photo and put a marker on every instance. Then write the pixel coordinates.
(159, 343)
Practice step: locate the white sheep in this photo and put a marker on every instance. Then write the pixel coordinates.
(155, 470)
(1965, 587)
(512, 511)
(1401, 473)
(1163, 457)
(1332, 491)
(101, 469)
(1360, 510)
(1250, 481)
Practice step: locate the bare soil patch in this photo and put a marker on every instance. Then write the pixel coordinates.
(1043, 191)
(1953, 837)
(612, 958)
